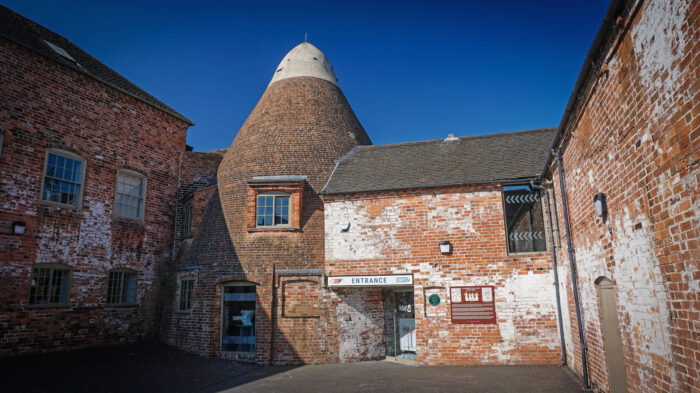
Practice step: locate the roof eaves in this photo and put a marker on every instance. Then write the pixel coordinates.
(415, 187)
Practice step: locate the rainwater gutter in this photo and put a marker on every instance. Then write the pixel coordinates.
(572, 267)
(554, 269)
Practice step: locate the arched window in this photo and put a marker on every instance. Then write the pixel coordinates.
(130, 195)
(64, 175)
(272, 209)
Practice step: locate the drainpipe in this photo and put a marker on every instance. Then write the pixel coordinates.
(574, 282)
(554, 268)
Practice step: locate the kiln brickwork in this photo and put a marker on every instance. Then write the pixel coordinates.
(634, 135)
(45, 104)
(300, 126)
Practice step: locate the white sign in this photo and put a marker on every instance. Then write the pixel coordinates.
(370, 281)
(456, 295)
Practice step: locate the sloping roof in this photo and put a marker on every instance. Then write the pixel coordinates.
(39, 39)
(465, 160)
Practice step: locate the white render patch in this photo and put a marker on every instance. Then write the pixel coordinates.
(305, 60)
(659, 44)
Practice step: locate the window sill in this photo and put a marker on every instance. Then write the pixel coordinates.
(57, 205)
(122, 305)
(50, 306)
(138, 221)
(528, 253)
(184, 312)
(274, 229)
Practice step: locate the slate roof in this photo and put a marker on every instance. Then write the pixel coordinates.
(503, 157)
(31, 35)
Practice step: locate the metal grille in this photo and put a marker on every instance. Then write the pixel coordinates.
(129, 195)
(49, 286)
(62, 180)
(186, 287)
(121, 288)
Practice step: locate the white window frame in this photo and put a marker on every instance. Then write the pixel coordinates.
(81, 187)
(142, 207)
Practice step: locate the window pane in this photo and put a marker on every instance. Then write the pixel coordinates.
(129, 195)
(130, 288)
(49, 286)
(525, 229)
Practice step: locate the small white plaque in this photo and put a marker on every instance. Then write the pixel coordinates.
(456, 295)
(486, 295)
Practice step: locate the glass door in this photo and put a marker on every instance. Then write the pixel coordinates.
(238, 318)
(403, 329)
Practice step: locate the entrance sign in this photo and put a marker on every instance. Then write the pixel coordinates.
(370, 281)
(473, 304)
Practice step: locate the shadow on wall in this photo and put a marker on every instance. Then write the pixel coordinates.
(210, 260)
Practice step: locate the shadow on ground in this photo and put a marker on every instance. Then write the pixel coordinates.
(154, 367)
(141, 367)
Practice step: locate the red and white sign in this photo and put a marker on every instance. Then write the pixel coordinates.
(473, 304)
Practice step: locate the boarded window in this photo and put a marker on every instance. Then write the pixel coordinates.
(131, 189)
(525, 230)
(50, 285)
(121, 288)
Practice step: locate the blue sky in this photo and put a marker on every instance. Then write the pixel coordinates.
(411, 70)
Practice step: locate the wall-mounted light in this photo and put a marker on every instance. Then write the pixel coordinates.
(18, 227)
(445, 246)
(601, 206)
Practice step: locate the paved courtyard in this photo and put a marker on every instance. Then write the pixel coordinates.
(153, 367)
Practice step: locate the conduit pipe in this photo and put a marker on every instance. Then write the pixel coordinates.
(554, 268)
(572, 266)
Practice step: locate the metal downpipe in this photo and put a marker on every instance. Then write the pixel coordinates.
(574, 282)
(554, 268)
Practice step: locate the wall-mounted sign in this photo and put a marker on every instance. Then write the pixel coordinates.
(370, 281)
(473, 304)
(434, 300)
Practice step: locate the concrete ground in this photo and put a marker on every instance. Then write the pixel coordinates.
(154, 367)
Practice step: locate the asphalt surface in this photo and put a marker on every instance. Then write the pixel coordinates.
(154, 367)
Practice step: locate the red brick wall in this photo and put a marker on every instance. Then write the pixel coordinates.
(636, 138)
(299, 127)
(398, 233)
(42, 105)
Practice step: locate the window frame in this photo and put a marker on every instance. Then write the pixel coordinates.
(81, 186)
(126, 272)
(142, 206)
(275, 195)
(189, 294)
(51, 267)
(187, 219)
(544, 221)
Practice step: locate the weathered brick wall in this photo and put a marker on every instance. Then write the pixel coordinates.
(299, 127)
(399, 232)
(44, 104)
(634, 135)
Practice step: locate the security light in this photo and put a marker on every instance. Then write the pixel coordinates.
(445, 246)
(601, 206)
(18, 227)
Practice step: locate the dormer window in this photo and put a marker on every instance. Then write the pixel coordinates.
(272, 209)
(275, 203)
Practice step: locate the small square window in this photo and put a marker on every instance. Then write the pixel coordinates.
(525, 230)
(186, 287)
(272, 210)
(131, 191)
(50, 285)
(121, 288)
(63, 178)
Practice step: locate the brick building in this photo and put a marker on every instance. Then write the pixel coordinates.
(302, 243)
(88, 183)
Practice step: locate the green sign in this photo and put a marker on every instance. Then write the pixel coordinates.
(434, 300)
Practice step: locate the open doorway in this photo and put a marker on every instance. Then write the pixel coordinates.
(400, 323)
